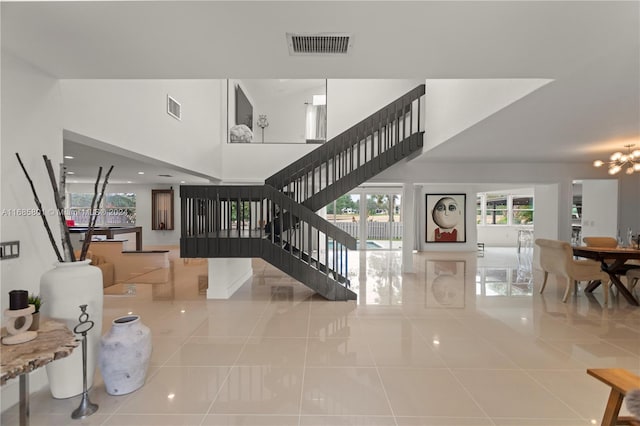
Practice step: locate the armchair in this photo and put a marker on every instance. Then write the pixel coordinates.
(556, 257)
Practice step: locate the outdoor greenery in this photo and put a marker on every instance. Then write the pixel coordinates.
(504, 210)
(121, 205)
(377, 205)
(342, 204)
(126, 200)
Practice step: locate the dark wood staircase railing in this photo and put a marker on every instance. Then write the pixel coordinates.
(379, 141)
(240, 221)
(277, 221)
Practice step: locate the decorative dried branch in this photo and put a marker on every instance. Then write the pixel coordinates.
(94, 217)
(62, 190)
(39, 205)
(87, 236)
(104, 188)
(67, 248)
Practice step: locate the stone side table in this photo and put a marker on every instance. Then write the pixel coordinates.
(54, 341)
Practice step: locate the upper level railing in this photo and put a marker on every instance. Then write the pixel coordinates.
(340, 158)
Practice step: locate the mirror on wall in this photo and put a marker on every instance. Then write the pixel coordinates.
(277, 110)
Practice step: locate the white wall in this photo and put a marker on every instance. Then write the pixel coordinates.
(629, 203)
(226, 276)
(352, 100)
(546, 199)
(132, 114)
(31, 126)
(498, 235)
(600, 208)
(253, 163)
(143, 210)
(287, 117)
(453, 105)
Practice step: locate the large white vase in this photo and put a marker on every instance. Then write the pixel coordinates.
(63, 290)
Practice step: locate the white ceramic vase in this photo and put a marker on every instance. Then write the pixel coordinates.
(125, 351)
(63, 290)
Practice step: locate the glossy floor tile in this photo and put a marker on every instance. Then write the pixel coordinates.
(460, 341)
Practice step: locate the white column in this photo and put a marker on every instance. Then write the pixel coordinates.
(364, 217)
(408, 226)
(226, 275)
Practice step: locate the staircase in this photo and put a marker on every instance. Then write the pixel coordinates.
(277, 221)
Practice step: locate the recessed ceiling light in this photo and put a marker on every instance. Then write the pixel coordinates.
(69, 157)
(182, 181)
(140, 173)
(71, 173)
(129, 181)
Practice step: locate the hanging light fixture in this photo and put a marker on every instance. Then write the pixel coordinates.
(618, 161)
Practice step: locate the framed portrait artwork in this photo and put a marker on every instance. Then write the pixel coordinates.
(446, 221)
(445, 284)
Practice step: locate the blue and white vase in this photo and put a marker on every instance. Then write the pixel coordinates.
(125, 351)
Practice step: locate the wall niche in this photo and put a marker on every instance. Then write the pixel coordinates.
(162, 209)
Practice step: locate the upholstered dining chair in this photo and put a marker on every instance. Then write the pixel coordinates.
(556, 257)
(608, 242)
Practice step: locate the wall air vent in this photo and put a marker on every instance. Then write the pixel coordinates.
(320, 44)
(173, 108)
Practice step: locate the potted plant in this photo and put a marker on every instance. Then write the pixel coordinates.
(36, 301)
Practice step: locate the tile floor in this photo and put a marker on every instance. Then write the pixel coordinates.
(464, 340)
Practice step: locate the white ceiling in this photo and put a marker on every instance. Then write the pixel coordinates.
(87, 159)
(591, 50)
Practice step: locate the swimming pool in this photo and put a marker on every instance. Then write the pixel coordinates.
(370, 245)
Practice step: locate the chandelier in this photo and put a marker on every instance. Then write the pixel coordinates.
(618, 161)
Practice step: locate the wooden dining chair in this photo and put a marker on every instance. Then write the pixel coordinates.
(556, 257)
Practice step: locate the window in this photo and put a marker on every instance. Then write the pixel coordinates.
(479, 210)
(522, 210)
(503, 209)
(117, 209)
(496, 210)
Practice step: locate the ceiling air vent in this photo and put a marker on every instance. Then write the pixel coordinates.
(173, 108)
(319, 44)
(165, 175)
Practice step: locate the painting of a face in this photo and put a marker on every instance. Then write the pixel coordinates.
(445, 218)
(446, 213)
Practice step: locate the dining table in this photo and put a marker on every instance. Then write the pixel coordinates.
(615, 262)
